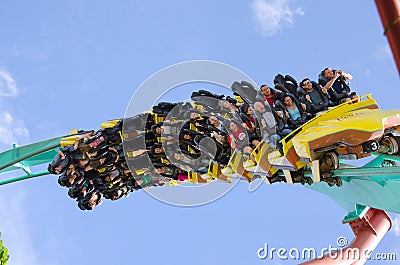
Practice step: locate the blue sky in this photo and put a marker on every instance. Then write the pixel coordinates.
(75, 64)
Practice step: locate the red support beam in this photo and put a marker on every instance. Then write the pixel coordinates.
(389, 11)
(369, 230)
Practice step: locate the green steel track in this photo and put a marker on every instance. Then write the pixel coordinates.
(24, 157)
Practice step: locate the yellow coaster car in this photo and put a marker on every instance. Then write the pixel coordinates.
(351, 130)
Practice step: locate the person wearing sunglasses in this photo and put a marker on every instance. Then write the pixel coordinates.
(313, 96)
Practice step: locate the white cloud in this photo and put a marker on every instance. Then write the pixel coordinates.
(274, 15)
(396, 226)
(8, 86)
(12, 130)
(16, 234)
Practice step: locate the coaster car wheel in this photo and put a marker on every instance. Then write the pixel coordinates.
(329, 161)
(388, 145)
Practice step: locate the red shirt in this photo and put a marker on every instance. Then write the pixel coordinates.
(240, 139)
(270, 100)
